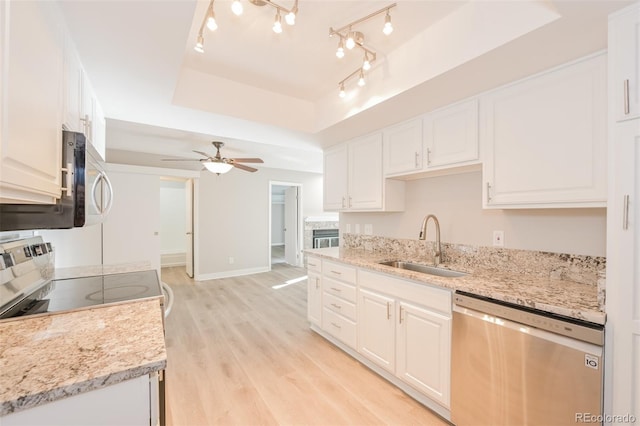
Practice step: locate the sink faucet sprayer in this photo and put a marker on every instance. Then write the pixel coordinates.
(423, 236)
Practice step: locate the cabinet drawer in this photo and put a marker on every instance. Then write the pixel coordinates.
(339, 306)
(339, 327)
(339, 271)
(314, 264)
(338, 288)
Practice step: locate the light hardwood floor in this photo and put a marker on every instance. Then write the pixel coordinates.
(240, 352)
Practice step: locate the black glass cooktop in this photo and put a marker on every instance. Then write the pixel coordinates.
(73, 293)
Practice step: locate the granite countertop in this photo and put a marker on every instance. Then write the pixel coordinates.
(44, 358)
(557, 296)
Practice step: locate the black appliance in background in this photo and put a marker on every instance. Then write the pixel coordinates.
(86, 197)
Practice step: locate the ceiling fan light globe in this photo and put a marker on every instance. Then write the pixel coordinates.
(236, 8)
(218, 167)
(290, 18)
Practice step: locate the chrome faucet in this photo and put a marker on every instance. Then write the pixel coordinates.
(423, 236)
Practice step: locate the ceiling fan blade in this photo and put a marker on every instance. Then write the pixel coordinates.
(246, 160)
(243, 167)
(180, 159)
(202, 153)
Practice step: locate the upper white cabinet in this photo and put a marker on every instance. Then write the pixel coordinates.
(403, 148)
(545, 138)
(31, 101)
(451, 136)
(624, 45)
(354, 181)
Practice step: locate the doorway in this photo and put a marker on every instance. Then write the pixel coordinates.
(285, 217)
(176, 223)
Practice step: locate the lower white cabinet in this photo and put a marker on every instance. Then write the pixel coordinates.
(405, 328)
(132, 402)
(314, 290)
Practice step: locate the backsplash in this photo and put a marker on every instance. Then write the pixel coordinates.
(588, 270)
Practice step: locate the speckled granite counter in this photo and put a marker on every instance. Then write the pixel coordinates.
(559, 296)
(44, 358)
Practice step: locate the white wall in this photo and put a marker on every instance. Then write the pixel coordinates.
(233, 216)
(457, 202)
(173, 218)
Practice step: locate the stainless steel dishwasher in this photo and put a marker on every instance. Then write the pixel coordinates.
(513, 365)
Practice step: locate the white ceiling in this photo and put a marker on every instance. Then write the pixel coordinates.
(275, 96)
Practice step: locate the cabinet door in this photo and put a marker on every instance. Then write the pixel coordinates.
(335, 178)
(72, 88)
(314, 298)
(402, 148)
(365, 173)
(376, 328)
(451, 135)
(624, 56)
(424, 350)
(545, 139)
(31, 139)
(99, 129)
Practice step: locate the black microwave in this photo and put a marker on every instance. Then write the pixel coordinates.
(85, 200)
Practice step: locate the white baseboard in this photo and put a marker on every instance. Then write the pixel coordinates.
(173, 259)
(229, 274)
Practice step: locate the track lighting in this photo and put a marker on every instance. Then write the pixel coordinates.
(351, 39)
(237, 8)
(340, 51)
(388, 28)
(277, 24)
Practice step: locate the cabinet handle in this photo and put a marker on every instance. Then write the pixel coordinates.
(417, 157)
(626, 97)
(625, 212)
(343, 201)
(336, 289)
(349, 201)
(488, 193)
(400, 314)
(428, 156)
(336, 272)
(335, 325)
(336, 306)
(388, 310)
(317, 281)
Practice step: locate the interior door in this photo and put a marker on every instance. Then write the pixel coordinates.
(188, 187)
(291, 249)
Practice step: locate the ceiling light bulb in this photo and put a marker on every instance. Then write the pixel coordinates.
(366, 64)
(236, 8)
(351, 41)
(277, 25)
(211, 22)
(199, 47)
(217, 166)
(361, 81)
(340, 51)
(290, 18)
(388, 28)
(342, 94)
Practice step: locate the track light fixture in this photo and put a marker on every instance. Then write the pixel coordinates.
(352, 39)
(237, 8)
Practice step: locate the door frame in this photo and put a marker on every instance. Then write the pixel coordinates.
(300, 220)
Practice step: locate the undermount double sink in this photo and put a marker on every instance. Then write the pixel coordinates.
(425, 269)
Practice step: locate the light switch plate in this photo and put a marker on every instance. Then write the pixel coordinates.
(498, 238)
(357, 230)
(347, 228)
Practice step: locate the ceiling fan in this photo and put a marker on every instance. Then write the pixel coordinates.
(219, 164)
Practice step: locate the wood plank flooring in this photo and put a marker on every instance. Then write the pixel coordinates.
(240, 352)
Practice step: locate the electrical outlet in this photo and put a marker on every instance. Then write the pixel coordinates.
(231, 260)
(357, 230)
(498, 238)
(368, 229)
(347, 228)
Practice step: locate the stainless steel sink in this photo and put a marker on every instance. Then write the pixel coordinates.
(417, 267)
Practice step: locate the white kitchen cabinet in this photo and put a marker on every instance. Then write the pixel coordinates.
(451, 136)
(405, 328)
(354, 181)
(402, 148)
(31, 37)
(131, 402)
(339, 301)
(426, 367)
(545, 139)
(377, 328)
(92, 117)
(73, 76)
(624, 45)
(314, 290)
